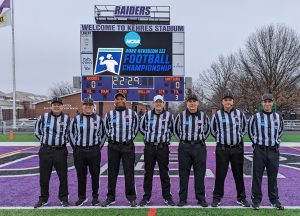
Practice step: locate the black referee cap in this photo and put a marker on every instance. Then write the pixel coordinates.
(267, 96)
(192, 96)
(228, 94)
(88, 101)
(56, 100)
(120, 94)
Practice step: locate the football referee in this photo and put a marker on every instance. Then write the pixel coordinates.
(265, 131)
(157, 128)
(228, 126)
(121, 125)
(192, 129)
(87, 138)
(52, 130)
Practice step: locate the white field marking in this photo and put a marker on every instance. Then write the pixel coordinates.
(103, 168)
(24, 175)
(284, 144)
(7, 155)
(18, 160)
(147, 207)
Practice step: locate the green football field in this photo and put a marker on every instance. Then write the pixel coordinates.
(31, 138)
(145, 211)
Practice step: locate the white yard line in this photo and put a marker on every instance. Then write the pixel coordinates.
(296, 144)
(128, 207)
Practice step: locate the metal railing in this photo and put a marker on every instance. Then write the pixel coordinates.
(291, 125)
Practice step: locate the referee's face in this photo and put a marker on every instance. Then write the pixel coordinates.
(227, 103)
(87, 109)
(267, 105)
(120, 101)
(192, 105)
(56, 108)
(159, 105)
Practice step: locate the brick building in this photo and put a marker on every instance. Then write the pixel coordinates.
(73, 105)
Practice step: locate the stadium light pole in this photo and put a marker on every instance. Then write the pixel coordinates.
(13, 64)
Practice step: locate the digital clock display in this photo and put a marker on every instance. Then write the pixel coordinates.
(136, 88)
(133, 82)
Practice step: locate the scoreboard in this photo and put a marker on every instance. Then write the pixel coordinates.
(140, 61)
(136, 88)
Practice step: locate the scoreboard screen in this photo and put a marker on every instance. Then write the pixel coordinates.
(139, 60)
(136, 88)
(132, 50)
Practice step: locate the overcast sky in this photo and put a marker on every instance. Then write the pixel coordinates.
(47, 34)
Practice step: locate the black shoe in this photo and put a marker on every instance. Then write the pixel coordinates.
(144, 202)
(215, 203)
(108, 202)
(132, 203)
(277, 205)
(202, 203)
(169, 202)
(40, 203)
(95, 202)
(255, 205)
(181, 203)
(64, 203)
(243, 202)
(81, 201)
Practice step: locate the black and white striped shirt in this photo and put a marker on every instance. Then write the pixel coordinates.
(157, 127)
(121, 125)
(228, 128)
(192, 126)
(265, 128)
(87, 130)
(52, 130)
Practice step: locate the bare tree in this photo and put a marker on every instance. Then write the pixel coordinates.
(217, 78)
(270, 63)
(61, 88)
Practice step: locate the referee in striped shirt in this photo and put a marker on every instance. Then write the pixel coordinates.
(192, 129)
(52, 130)
(157, 128)
(87, 138)
(121, 125)
(228, 127)
(265, 131)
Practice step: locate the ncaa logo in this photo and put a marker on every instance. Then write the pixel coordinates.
(132, 39)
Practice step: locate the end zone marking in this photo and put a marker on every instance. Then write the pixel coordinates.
(294, 148)
(16, 151)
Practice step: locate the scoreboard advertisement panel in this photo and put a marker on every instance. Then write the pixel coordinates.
(134, 52)
(136, 88)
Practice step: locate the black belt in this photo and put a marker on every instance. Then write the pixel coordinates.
(202, 143)
(87, 147)
(268, 148)
(52, 147)
(122, 143)
(229, 146)
(157, 143)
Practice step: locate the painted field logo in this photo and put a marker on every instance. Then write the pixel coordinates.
(132, 39)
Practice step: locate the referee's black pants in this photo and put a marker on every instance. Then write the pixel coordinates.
(234, 156)
(116, 153)
(57, 158)
(192, 155)
(269, 159)
(84, 159)
(159, 154)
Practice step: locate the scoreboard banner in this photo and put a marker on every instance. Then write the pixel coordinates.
(132, 50)
(136, 88)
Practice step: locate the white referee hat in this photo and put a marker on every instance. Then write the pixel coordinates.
(158, 97)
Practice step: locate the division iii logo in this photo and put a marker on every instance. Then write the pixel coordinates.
(108, 60)
(132, 39)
